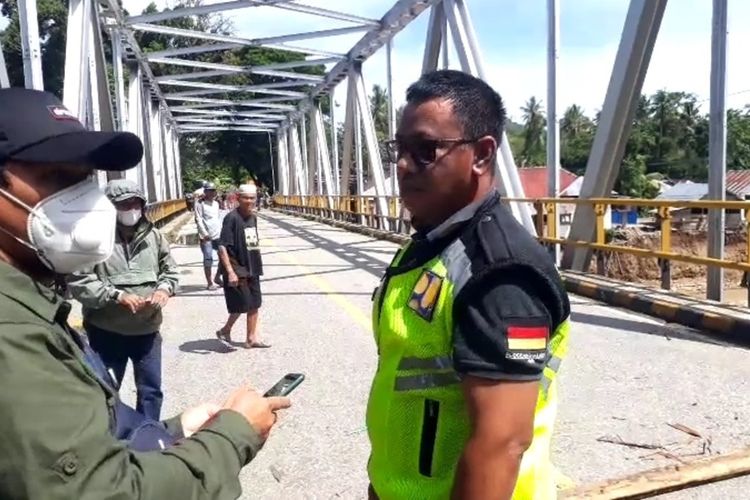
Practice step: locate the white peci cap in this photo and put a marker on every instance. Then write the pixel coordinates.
(248, 189)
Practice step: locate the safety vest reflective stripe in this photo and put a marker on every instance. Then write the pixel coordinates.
(553, 366)
(425, 381)
(437, 363)
(554, 363)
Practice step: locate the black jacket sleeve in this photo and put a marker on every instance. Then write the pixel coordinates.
(502, 325)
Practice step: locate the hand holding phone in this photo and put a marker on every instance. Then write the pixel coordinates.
(287, 384)
(259, 411)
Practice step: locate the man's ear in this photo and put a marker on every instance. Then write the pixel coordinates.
(484, 150)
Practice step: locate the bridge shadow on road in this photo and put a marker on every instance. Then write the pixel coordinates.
(357, 257)
(668, 331)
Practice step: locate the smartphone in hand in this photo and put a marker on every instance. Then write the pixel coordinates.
(287, 384)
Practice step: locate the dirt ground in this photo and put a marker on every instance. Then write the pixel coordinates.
(689, 279)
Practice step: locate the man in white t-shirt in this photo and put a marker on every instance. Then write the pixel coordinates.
(208, 220)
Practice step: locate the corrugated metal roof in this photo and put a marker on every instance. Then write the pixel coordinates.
(685, 191)
(738, 183)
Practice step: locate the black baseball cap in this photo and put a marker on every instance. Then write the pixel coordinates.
(35, 127)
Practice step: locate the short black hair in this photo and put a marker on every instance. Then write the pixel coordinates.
(477, 106)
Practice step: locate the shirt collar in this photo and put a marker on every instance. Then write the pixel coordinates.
(38, 298)
(463, 215)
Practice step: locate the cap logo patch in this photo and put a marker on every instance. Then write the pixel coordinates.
(61, 113)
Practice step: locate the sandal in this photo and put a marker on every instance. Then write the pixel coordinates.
(223, 336)
(258, 345)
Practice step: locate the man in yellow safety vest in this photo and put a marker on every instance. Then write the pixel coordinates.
(471, 318)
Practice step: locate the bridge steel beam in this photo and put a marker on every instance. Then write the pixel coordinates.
(717, 147)
(553, 120)
(377, 174)
(4, 80)
(306, 167)
(334, 158)
(470, 58)
(30, 48)
(326, 180)
(348, 144)
(615, 121)
(283, 162)
(157, 159)
(135, 123)
(294, 167)
(391, 112)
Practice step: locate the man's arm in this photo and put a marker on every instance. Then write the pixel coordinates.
(226, 243)
(168, 277)
(500, 348)
(90, 290)
(199, 222)
(57, 444)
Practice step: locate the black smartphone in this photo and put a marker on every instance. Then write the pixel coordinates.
(287, 384)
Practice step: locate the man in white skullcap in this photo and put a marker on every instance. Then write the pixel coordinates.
(242, 266)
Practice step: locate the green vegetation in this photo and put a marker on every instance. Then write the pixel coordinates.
(669, 140)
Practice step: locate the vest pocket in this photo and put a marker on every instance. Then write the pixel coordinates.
(429, 432)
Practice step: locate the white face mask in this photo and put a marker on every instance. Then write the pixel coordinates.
(129, 217)
(72, 229)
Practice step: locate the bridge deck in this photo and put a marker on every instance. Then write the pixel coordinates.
(627, 375)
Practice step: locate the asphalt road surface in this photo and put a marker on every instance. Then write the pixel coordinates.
(626, 379)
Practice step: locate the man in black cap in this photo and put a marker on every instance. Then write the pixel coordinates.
(63, 431)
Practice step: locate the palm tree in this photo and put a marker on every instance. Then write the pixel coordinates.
(534, 128)
(379, 109)
(574, 122)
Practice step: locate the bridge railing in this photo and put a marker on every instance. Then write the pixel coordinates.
(161, 211)
(667, 218)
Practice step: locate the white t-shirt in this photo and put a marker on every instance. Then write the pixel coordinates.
(208, 219)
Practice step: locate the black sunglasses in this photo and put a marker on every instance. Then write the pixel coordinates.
(423, 152)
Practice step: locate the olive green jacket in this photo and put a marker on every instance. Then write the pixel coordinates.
(140, 267)
(55, 439)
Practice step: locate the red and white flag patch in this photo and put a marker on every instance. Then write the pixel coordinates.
(527, 338)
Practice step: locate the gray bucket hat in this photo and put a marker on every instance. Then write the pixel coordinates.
(123, 189)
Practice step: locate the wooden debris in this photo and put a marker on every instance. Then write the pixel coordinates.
(620, 441)
(686, 430)
(276, 473)
(667, 479)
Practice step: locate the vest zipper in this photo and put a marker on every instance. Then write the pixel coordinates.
(429, 433)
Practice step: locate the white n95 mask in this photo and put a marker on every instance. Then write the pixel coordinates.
(71, 229)
(129, 217)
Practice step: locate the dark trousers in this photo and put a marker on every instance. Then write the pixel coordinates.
(145, 352)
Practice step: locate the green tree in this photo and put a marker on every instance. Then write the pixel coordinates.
(632, 180)
(52, 16)
(576, 137)
(738, 139)
(533, 152)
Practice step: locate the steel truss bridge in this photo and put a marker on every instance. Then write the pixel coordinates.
(162, 108)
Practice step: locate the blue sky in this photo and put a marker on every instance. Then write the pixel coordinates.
(512, 37)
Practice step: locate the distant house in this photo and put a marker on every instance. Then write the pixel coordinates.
(737, 189)
(535, 184)
(738, 183)
(535, 181)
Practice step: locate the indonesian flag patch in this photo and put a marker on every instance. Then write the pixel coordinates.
(527, 338)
